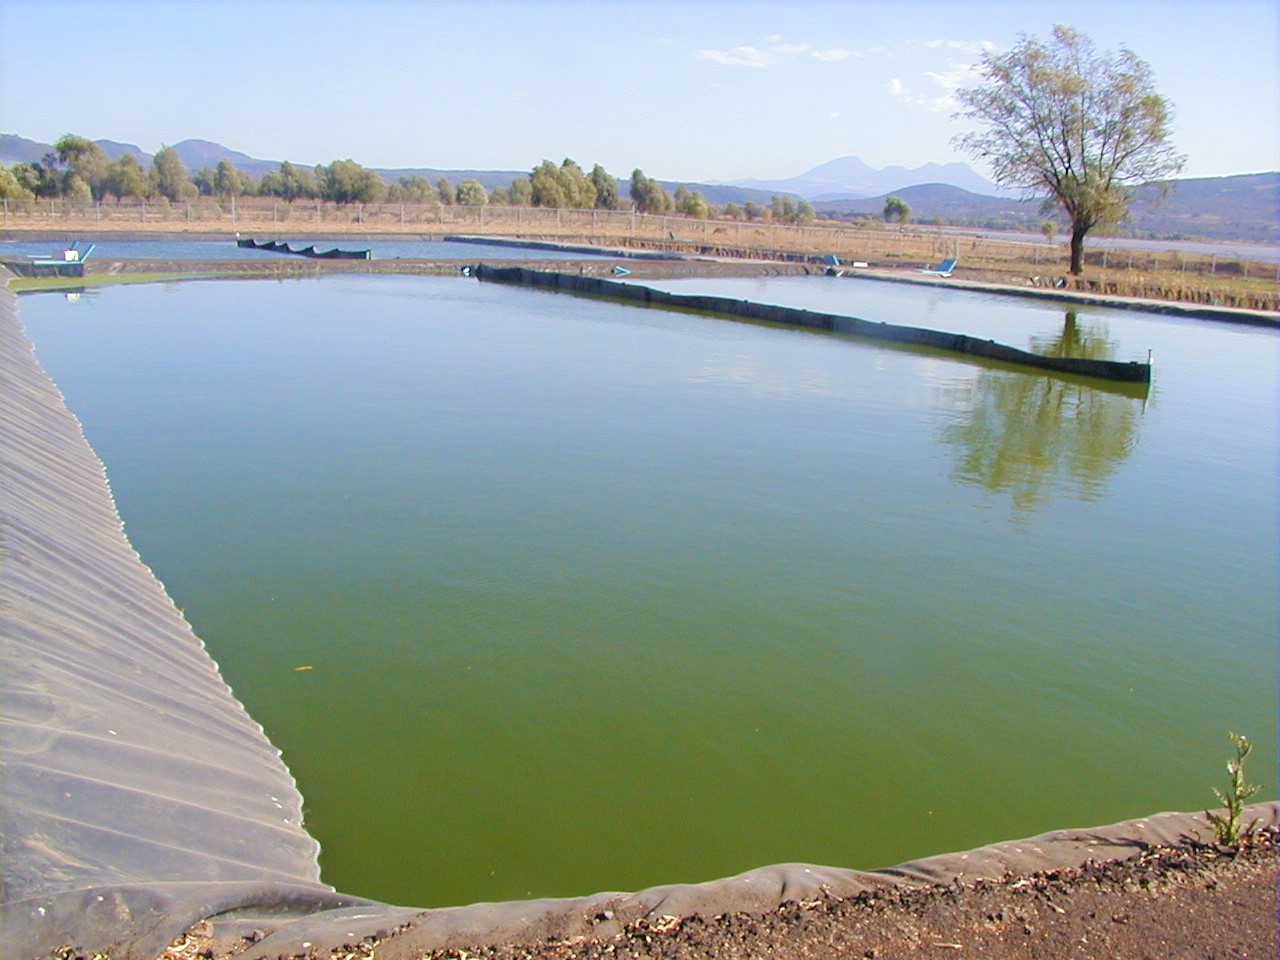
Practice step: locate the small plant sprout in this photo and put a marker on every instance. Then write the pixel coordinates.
(1227, 829)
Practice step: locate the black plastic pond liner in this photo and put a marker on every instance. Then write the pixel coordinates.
(138, 798)
(277, 246)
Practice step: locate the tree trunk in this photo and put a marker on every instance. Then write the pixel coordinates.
(1077, 248)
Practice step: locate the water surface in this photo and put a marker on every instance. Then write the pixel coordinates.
(590, 596)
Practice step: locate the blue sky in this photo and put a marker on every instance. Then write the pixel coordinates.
(685, 90)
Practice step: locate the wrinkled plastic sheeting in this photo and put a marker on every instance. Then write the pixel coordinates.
(127, 762)
(756, 891)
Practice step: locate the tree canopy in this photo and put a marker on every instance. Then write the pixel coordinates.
(1061, 119)
(168, 177)
(787, 209)
(691, 203)
(606, 188)
(290, 183)
(85, 165)
(649, 196)
(895, 208)
(125, 178)
(345, 181)
(471, 193)
(562, 186)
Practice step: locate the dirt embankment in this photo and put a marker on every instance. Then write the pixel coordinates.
(1165, 903)
(1193, 900)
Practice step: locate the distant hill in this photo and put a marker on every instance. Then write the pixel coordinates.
(1239, 208)
(15, 149)
(850, 178)
(942, 201)
(116, 150)
(1244, 207)
(198, 154)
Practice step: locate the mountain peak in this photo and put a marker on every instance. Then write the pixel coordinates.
(849, 176)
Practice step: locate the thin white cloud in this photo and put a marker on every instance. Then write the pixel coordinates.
(739, 57)
(973, 47)
(775, 52)
(942, 96)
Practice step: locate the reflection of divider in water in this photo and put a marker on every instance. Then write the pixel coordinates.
(1016, 432)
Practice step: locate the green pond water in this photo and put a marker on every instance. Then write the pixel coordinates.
(597, 597)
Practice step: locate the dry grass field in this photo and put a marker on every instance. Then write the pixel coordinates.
(1220, 280)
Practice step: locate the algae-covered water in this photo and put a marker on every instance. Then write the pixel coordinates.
(542, 596)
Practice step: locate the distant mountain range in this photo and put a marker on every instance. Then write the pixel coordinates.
(1241, 208)
(850, 178)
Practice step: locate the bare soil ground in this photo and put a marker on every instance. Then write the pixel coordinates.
(1200, 902)
(1188, 902)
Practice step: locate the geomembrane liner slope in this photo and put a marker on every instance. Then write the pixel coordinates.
(126, 759)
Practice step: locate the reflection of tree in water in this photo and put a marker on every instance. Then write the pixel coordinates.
(1088, 341)
(1030, 435)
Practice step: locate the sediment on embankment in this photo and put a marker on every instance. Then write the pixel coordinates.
(1130, 372)
(138, 798)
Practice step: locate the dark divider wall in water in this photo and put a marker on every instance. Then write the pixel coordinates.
(277, 246)
(1130, 372)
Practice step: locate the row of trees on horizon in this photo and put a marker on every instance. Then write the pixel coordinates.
(79, 169)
